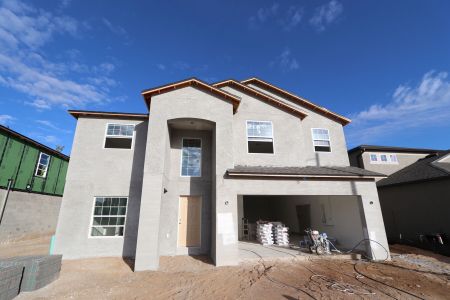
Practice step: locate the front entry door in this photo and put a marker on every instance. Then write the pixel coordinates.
(189, 221)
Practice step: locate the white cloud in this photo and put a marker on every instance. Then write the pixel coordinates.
(425, 105)
(6, 119)
(119, 30)
(293, 17)
(326, 15)
(262, 15)
(23, 24)
(285, 61)
(24, 30)
(52, 126)
(161, 67)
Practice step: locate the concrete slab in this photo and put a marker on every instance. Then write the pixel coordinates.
(252, 250)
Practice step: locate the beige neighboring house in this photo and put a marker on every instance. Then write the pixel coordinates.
(415, 197)
(180, 178)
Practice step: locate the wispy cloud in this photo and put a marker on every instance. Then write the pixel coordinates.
(24, 30)
(52, 126)
(424, 105)
(285, 61)
(6, 119)
(326, 15)
(116, 29)
(262, 15)
(292, 18)
(162, 67)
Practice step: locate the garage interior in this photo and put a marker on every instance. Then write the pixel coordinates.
(339, 217)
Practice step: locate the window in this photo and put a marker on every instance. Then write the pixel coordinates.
(119, 136)
(378, 158)
(393, 158)
(109, 216)
(191, 158)
(383, 158)
(42, 165)
(373, 157)
(259, 137)
(321, 140)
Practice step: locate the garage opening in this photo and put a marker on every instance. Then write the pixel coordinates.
(339, 217)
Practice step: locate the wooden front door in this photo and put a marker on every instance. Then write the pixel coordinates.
(189, 221)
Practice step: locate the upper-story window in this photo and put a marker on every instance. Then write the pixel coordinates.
(119, 136)
(191, 158)
(385, 158)
(321, 140)
(42, 165)
(259, 137)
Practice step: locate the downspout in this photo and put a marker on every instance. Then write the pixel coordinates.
(10, 183)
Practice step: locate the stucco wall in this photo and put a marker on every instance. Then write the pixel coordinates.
(28, 215)
(95, 171)
(413, 209)
(299, 137)
(404, 159)
(177, 186)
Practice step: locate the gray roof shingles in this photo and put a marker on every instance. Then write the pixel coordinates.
(330, 171)
(424, 169)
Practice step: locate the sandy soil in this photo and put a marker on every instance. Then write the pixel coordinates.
(412, 274)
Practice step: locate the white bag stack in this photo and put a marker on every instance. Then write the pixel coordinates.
(281, 235)
(264, 233)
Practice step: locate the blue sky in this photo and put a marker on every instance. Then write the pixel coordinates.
(384, 64)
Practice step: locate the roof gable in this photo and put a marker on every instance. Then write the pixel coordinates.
(301, 101)
(236, 84)
(149, 93)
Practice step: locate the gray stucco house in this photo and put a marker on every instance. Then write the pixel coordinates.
(180, 179)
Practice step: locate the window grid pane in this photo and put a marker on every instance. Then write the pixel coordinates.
(191, 156)
(259, 129)
(109, 216)
(119, 130)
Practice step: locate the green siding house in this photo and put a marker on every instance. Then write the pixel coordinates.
(32, 166)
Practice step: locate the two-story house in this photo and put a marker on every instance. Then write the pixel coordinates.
(179, 180)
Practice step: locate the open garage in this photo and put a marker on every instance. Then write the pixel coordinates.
(339, 217)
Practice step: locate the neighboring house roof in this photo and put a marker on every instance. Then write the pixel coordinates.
(363, 148)
(147, 94)
(246, 89)
(427, 168)
(38, 145)
(104, 114)
(301, 101)
(301, 172)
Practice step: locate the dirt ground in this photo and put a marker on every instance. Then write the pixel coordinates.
(412, 274)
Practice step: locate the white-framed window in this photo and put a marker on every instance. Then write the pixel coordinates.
(191, 157)
(321, 140)
(260, 137)
(383, 158)
(42, 165)
(119, 136)
(109, 216)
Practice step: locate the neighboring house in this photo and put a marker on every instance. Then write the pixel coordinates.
(35, 175)
(414, 197)
(416, 202)
(385, 159)
(179, 180)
